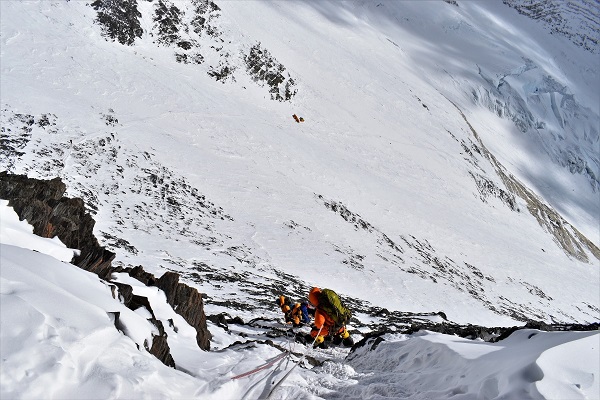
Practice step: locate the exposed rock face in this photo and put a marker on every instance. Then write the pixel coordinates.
(120, 20)
(145, 277)
(160, 347)
(187, 302)
(42, 204)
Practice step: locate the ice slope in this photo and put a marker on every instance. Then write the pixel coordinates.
(383, 194)
(57, 341)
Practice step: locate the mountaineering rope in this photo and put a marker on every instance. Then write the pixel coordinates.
(268, 364)
(267, 377)
(295, 365)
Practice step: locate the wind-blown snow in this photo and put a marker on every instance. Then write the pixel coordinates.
(528, 364)
(382, 194)
(57, 341)
(183, 171)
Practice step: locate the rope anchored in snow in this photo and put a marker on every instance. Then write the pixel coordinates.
(295, 365)
(266, 365)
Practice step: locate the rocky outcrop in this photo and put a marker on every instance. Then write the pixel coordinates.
(266, 70)
(43, 205)
(120, 20)
(145, 277)
(159, 347)
(185, 300)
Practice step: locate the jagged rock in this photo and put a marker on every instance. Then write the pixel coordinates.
(368, 339)
(125, 293)
(187, 302)
(115, 318)
(145, 277)
(236, 320)
(42, 204)
(172, 325)
(119, 19)
(160, 347)
(219, 320)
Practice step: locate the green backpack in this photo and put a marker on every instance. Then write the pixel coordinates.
(330, 302)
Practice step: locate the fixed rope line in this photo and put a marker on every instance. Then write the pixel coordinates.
(295, 365)
(269, 363)
(266, 365)
(267, 377)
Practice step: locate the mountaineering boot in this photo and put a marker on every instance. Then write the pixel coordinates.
(320, 343)
(347, 340)
(301, 338)
(322, 346)
(337, 339)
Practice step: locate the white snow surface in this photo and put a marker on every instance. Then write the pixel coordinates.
(58, 342)
(181, 170)
(20, 233)
(217, 182)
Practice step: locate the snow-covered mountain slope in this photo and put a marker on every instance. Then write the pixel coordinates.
(579, 21)
(58, 340)
(401, 189)
(448, 161)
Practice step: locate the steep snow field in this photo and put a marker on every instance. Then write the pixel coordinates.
(58, 341)
(384, 182)
(396, 191)
(188, 170)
